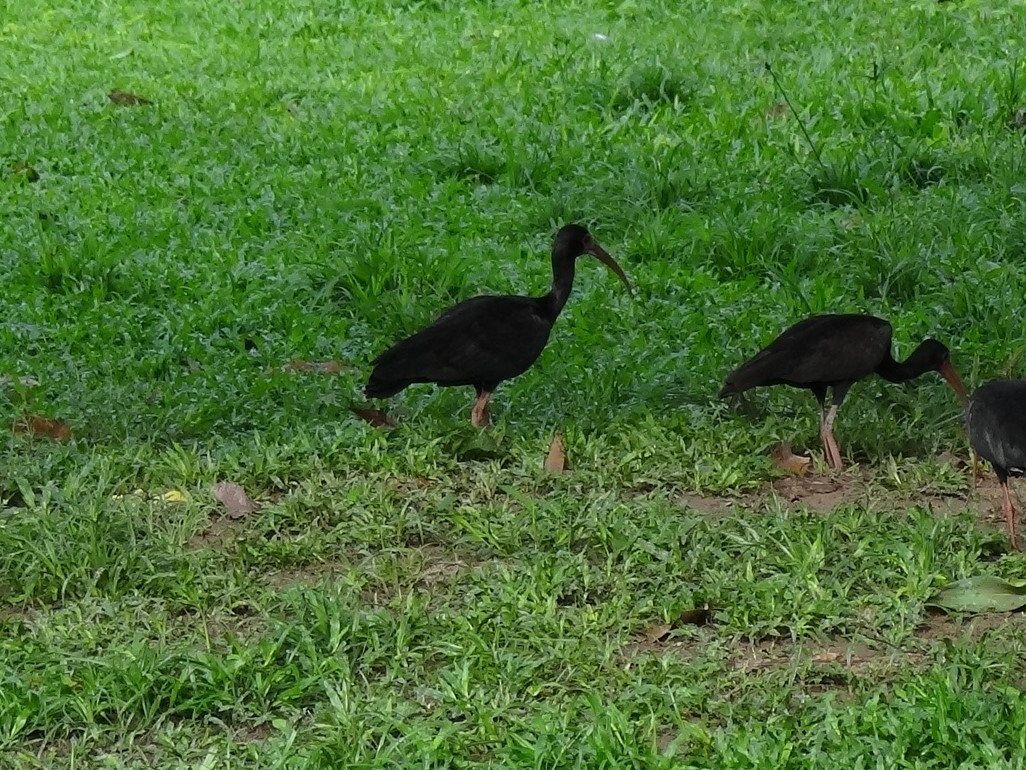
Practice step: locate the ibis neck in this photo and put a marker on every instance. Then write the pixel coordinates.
(562, 284)
(900, 371)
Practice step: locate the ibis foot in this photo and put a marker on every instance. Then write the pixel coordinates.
(479, 414)
(826, 433)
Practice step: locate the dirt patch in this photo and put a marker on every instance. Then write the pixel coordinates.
(939, 626)
(305, 575)
(218, 533)
(822, 493)
(708, 504)
(855, 657)
(817, 493)
(439, 566)
(427, 567)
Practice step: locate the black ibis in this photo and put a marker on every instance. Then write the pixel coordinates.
(996, 424)
(835, 351)
(485, 340)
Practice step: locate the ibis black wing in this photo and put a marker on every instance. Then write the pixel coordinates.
(823, 349)
(996, 423)
(480, 342)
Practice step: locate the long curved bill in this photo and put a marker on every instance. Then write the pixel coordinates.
(603, 256)
(947, 371)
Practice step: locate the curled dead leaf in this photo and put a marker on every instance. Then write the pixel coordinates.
(787, 461)
(375, 417)
(126, 98)
(555, 460)
(34, 425)
(234, 499)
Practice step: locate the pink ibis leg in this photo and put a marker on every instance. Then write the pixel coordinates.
(1009, 513)
(479, 414)
(826, 433)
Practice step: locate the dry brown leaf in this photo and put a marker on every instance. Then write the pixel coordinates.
(787, 461)
(234, 499)
(658, 633)
(127, 99)
(35, 425)
(320, 367)
(375, 417)
(555, 460)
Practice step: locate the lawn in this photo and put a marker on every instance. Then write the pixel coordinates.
(312, 180)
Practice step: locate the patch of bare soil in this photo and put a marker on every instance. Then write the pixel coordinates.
(855, 657)
(939, 626)
(218, 533)
(439, 566)
(711, 505)
(823, 493)
(305, 575)
(430, 567)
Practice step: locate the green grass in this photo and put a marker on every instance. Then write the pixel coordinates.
(314, 180)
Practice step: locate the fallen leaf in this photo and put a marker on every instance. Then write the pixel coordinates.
(983, 593)
(126, 98)
(787, 461)
(320, 367)
(42, 426)
(234, 498)
(375, 417)
(172, 496)
(555, 460)
(658, 633)
(25, 171)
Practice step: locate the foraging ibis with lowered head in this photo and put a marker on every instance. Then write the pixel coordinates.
(833, 352)
(996, 424)
(486, 340)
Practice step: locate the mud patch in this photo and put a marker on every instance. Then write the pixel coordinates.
(218, 533)
(939, 626)
(817, 493)
(439, 566)
(709, 505)
(857, 486)
(305, 575)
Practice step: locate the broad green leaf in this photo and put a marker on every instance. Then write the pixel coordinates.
(984, 593)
